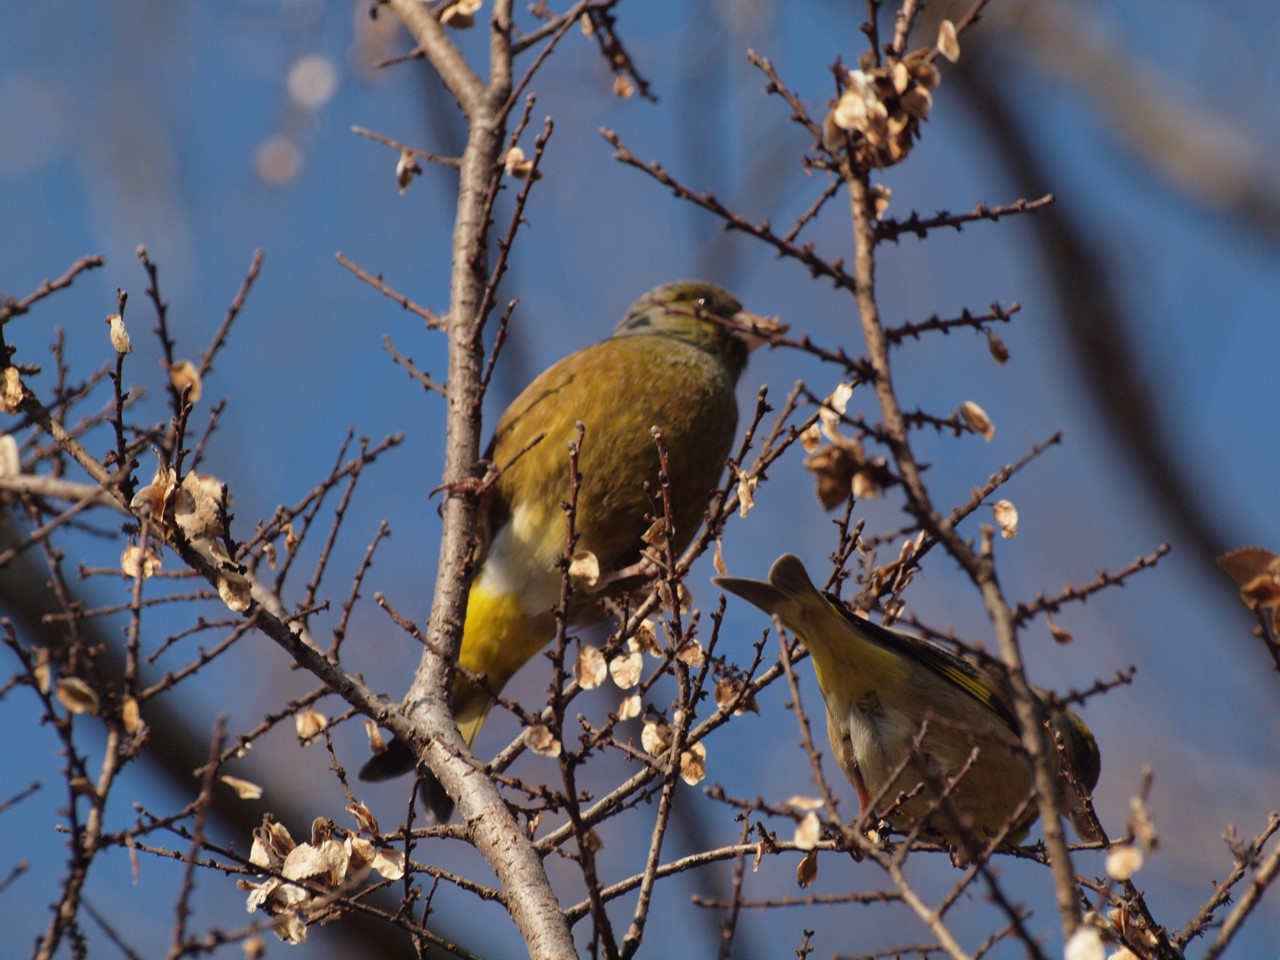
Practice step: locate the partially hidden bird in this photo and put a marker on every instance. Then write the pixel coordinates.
(880, 688)
(672, 363)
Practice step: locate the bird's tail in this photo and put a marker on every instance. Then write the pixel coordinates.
(788, 584)
(470, 706)
(498, 639)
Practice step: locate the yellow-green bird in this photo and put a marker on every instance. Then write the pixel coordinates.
(880, 686)
(672, 363)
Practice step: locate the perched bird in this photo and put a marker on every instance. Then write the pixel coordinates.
(881, 685)
(672, 363)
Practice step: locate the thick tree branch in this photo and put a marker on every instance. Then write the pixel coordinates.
(434, 734)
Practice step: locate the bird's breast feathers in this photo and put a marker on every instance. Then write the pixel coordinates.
(880, 734)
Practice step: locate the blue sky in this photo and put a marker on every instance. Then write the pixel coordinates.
(141, 126)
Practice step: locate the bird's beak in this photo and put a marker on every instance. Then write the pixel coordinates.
(755, 330)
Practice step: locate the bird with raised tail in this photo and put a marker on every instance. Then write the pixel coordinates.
(883, 687)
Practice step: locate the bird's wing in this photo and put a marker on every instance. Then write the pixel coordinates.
(942, 662)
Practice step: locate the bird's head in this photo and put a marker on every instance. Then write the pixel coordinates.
(702, 314)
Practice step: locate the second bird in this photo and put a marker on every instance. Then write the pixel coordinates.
(672, 364)
(880, 686)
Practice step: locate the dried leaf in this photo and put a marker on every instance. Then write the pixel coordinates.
(803, 803)
(691, 654)
(766, 845)
(629, 708)
(153, 501)
(1245, 563)
(999, 352)
(833, 409)
(43, 675)
(234, 591)
(976, 419)
(186, 380)
(655, 737)
(902, 78)
(119, 336)
(834, 136)
(135, 562)
(623, 88)
(271, 844)
(880, 196)
(811, 437)
(717, 559)
(859, 109)
(865, 486)
(76, 695)
(364, 818)
(1123, 861)
(360, 855)
(515, 165)
(130, 716)
(1143, 826)
(10, 458)
(911, 548)
(540, 740)
(389, 864)
(259, 855)
(590, 669)
(324, 862)
(407, 168)
(1059, 634)
(916, 103)
(289, 927)
(833, 468)
(665, 597)
(656, 535)
(245, 789)
(584, 568)
(693, 764)
(726, 693)
(746, 492)
(322, 828)
(11, 391)
(310, 722)
(1261, 593)
(461, 13)
(925, 74)
(948, 41)
(626, 670)
(647, 636)
(808, 831)
(1006, 515)
(807, 870)
(1085, 944)
(1258, 573)
(149, 502)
